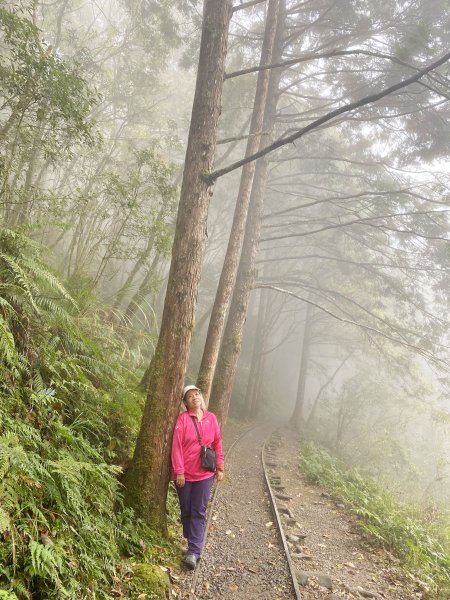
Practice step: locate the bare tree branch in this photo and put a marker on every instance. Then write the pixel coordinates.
(283, 141)
(367, 221)
(363, 265)
(308, 57)
(246, 5)
(365, 194)
(241, 137)
(367, 328)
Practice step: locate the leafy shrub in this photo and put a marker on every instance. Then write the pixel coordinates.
(63, 530)
(399, 528)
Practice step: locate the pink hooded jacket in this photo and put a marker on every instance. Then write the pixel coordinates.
(186, 448)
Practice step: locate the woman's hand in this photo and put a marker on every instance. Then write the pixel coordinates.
(219, 475)
(180, 480)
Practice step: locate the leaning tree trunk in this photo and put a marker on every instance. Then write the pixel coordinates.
(231, 261)
(297, 415)
(146, 481)
(231, 343)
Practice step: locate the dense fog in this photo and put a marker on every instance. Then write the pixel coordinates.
(346, 334)
(250, 198)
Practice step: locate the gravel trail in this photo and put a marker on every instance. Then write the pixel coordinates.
(243, 558)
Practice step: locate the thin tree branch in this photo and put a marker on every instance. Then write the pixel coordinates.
(337, 199)
(246, 5)
(366, 221)
(367, 328)
(283, 141)
(364, 265)
(241, 137)
(308, 57)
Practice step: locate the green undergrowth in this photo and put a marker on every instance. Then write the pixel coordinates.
(418, 538)
(69, 412)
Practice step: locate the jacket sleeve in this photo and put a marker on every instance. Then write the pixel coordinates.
(217, 445)
(177, 448)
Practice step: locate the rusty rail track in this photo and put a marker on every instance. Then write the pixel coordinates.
(275, 511)
(278, 521)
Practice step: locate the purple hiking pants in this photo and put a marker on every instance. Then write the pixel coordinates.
(194, 497)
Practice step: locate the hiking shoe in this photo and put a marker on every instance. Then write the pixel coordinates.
(190, 560)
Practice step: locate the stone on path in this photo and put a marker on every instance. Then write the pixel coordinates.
(304, 577)
(282, 496)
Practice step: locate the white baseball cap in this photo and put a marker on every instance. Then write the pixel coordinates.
(186, 389)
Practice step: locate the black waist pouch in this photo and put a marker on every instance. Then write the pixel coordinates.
(208, 458)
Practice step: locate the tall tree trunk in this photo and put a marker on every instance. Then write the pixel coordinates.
(231, 261)
(265, 324)
(297, 415)
(231, 343)
(146, 481)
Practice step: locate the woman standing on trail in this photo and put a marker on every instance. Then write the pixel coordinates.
(193, 482)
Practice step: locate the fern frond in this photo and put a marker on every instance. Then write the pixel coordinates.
(43, 274)
(38, 383)
(52, 307)
(18, 588)
(6, 442)
(21, 278)
(5, 305)
(47, 563)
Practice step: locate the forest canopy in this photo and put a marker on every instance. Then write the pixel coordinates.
(294, 261)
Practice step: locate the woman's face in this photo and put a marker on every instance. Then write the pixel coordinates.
(193, 399)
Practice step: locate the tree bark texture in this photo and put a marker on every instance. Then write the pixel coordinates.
(231, 261)
(231, 343)
(146, 481)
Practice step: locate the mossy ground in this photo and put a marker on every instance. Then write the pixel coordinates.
(149, 581)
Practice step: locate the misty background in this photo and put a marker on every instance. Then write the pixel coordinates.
(347, 330)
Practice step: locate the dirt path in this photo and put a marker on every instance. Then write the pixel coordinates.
(243, 558)
(333, 546)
